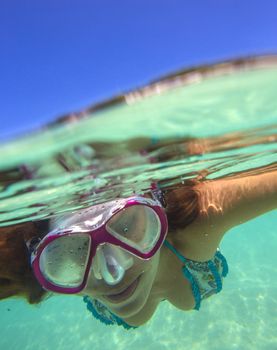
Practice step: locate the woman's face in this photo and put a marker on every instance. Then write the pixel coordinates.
(129, 296)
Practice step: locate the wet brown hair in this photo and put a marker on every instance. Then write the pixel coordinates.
(181, 204)
(16, 276)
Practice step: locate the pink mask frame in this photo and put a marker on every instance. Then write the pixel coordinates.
(98, 235)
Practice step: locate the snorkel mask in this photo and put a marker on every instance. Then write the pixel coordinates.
(104, 238)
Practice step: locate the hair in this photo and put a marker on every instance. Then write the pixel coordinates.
(16, 276)
(181, 204)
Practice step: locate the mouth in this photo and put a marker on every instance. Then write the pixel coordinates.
(125, 294)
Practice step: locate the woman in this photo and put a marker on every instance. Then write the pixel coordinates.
(126, 256)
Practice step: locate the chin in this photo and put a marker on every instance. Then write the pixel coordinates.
(136, 302)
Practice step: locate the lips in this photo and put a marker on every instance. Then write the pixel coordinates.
(126, 293)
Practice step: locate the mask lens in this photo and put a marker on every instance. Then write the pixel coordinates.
(138, 226)
(63, 261)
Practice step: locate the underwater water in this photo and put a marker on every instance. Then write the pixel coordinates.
(238, 112)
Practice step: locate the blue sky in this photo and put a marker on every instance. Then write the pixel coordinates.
(59, 56)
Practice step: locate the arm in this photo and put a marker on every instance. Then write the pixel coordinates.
(226, 203)
(233, 201)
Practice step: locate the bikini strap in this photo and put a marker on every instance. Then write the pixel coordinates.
(175, 251)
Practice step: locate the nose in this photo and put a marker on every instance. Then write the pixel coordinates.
(110, 263)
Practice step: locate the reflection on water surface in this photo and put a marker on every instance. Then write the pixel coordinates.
(97, 172)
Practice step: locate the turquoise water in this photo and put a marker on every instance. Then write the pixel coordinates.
(244, 315)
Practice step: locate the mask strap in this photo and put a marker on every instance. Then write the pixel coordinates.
(42, 228)
(157, 194)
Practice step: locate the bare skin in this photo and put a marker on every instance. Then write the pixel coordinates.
(224, 203)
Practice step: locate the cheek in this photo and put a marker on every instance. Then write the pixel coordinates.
(150, 269)
(147, 266)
